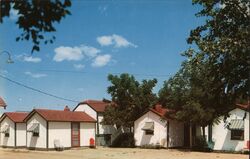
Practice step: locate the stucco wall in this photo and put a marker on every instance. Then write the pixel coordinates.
(87, 131)
(60, 131)
(160, 130)
(37, 142)
(8, 141)
(87, 109)
(21, 134)
(103, 129)
(222, 136)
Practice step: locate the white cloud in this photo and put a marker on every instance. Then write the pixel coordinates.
(116, 40)
(89, 50)
(76, 53)
(32, 59)
(105, 40)
(101, 60)
(35, 75)
(68, 53)
(79, 66)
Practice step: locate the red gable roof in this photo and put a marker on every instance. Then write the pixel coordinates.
(17, 117)
(159, 110)
(97, 105)
(2, 103)
(60, 115)
(244, 106)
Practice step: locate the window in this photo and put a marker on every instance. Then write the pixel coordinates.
(7, 134)
(35, 134)
(148, 128)
(237, 134)
(149, 132)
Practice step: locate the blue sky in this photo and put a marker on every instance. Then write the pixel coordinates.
(144, 38)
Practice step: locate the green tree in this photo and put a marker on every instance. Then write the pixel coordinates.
(131, 99)
(224, 41)
(36, 18)
(191, 93)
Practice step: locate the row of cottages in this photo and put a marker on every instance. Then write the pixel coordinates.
(232, 134)
(95, 109)
(45, 129)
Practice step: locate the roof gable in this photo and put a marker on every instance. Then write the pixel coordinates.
(243, 106)
(97, 105)
(16, 117)
(61, 116)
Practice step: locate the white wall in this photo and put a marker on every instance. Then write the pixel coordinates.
(60, 131)
(37, 142)
(160, 130)
(222, 136)
(21, 134)
(8, 141)
(103, 129)
(87, 131)
(87, 109)
(176, 133)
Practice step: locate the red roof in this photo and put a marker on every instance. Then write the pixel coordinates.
(244, 106)
(2, 103)
(17, 117)
(97, 105)
(60, 115)
(159, 110)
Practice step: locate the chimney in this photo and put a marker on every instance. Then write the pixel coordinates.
(158, 108)
(66, 108)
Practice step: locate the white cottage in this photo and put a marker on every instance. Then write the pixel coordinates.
(233, 134)
(153, 128)
(13, 129)
(48, 128)
(95, 109)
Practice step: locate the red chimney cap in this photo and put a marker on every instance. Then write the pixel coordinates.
(66, 108)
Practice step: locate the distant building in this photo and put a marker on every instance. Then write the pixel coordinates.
(153, 128)
(13, 129)
(233, 134)
(95, 109)
(2, 103)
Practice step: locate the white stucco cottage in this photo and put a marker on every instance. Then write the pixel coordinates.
(95, 109)
(153, 128)
(233, 134)
(13, 129)
(69, 129)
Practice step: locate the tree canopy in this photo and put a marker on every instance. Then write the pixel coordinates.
(36, 18)
(131, 99)
(217, 73)
(224, 41)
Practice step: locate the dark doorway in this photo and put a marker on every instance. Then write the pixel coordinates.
(186, 135)
(75, 134)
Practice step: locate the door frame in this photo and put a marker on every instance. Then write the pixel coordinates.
(78, 136)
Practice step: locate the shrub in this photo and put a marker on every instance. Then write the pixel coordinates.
(124, 140)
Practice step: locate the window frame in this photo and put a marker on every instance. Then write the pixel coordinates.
(235, 136)
(149, 132)
(7, 134)
(35, 134)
